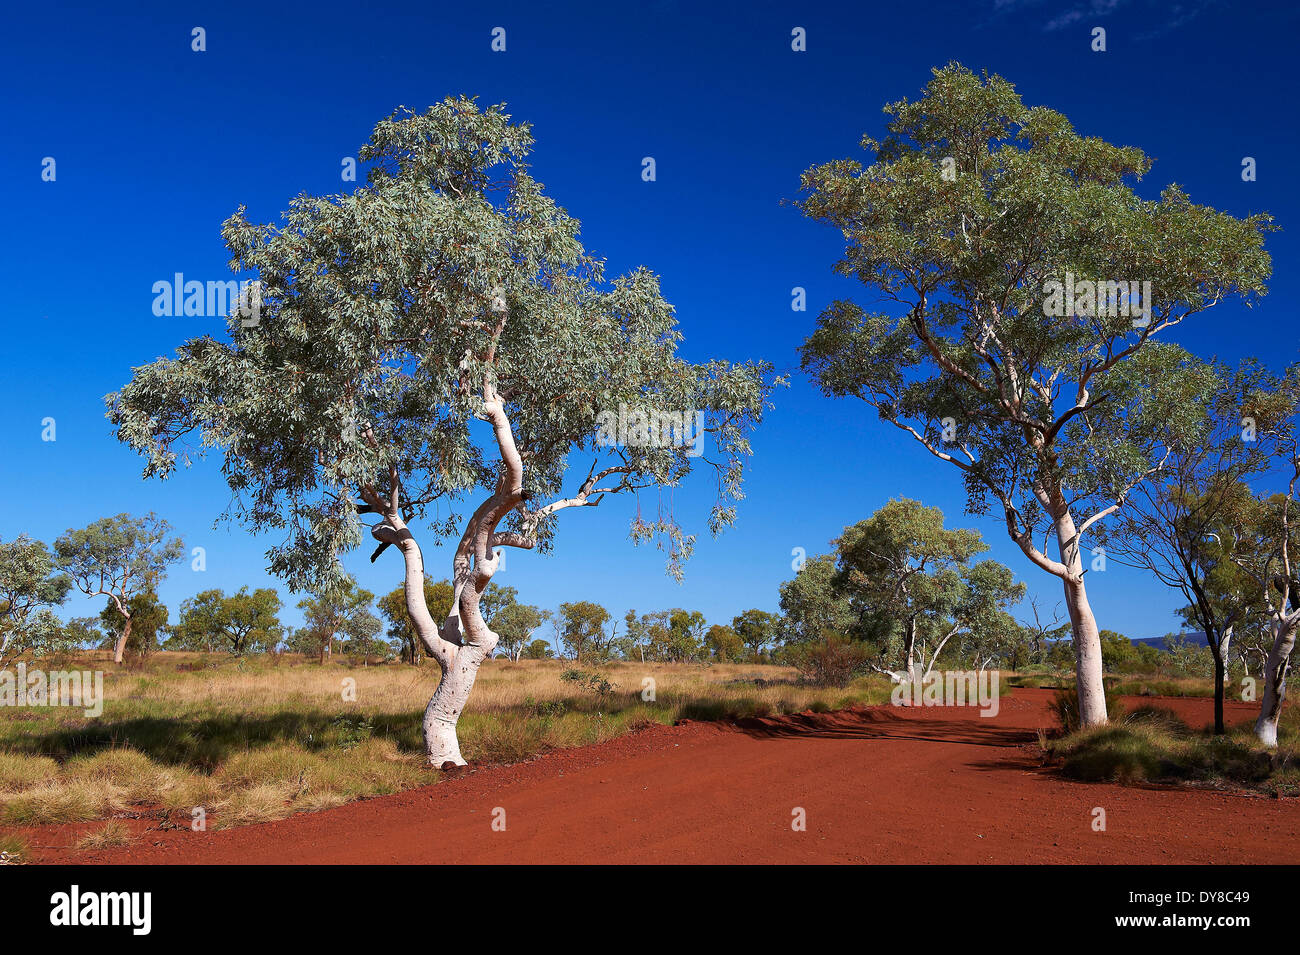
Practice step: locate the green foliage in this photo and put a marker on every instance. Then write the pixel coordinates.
(119, 556)
(1154, 746)
(340, 612)
(581, 628)
(909, 578)
(538, 650)
(666, 636)
(448, 288)
(148, 617)
(724, 643)
(515, 624)
(241, 623)
(1187, 657)
(349, 732)
(592, 682)
(811, 604)
(1117, 651)
(756, 629)
(29, 586)
(1065, 704)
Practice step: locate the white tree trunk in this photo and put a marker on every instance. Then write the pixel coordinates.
(1087, 638)
(120, 648)
(441, 716)
(1279, 659)
(1087, 656)
(910, 650)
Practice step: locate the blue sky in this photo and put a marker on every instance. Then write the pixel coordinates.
(156, 144)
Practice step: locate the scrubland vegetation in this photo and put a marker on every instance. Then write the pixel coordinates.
(257, 738)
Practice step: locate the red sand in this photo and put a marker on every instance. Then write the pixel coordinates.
(880, 784)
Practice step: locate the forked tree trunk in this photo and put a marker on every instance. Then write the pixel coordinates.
(441, 716)
(463, 642)
(120, 648)
(1279, 659)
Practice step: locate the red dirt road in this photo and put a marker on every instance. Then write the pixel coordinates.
(880, 784)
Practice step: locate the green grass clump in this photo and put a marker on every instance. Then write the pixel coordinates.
(1152, 745)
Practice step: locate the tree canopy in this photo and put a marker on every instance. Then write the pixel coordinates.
(450, 288)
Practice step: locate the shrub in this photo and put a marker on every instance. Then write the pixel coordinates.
(589, 681)
(830, 661)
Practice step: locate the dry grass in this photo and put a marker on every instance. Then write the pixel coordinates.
(109, 836)
(1152, 745)
(256, 739)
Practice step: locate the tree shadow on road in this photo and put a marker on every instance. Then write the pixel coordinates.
(883, 723)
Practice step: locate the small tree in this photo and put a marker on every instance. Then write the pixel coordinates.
(902, 567)
(811, 604)
(981, 616)
(243, 621)
(342, 612)
(134, 633)
(448, 289)
(725, 645)
(516, 623)
(1265, 540)
(685, 636)
(538, 650)
(1029, 285)
(494, 600)
(119, 557)
(29, 586)
(581, 628)
(757, 629)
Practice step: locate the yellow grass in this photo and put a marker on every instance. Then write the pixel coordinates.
(258, 739)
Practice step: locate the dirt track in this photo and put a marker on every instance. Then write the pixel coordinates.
(881, 784)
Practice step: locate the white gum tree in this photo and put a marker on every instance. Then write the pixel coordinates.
(448, 290)
(1264, 545)
(1027, 287)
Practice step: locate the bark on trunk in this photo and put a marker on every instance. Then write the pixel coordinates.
(1087, 655)
(120, 648)
(1279, 659)
(1088, 674)
(441, 716)
(1219, 651)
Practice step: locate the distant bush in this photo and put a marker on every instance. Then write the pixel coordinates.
(830, 661)
(589, 681)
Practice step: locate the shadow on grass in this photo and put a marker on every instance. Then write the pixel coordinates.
(206, 742)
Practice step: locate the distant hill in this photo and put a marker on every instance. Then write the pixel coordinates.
(1190, 636)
